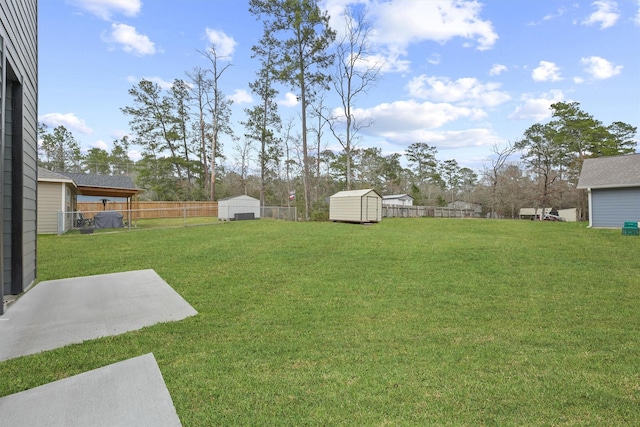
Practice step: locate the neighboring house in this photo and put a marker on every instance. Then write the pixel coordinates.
(356, 206)
(19, 143)
(397, 200)
(613, 188)
(238, 207)
(56, 193)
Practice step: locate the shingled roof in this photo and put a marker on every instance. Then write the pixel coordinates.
(47, 175)
(610, 172)
(103, 185)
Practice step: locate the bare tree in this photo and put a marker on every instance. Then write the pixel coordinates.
(200, 87)
(492, 173)
(219, 108)
(354, 74)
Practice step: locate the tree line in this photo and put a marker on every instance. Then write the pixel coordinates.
(285, 161)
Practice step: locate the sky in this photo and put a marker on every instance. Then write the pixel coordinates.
(463, 76)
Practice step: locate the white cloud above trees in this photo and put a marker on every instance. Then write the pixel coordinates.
(599, 68)
(129, 40)
(546, 72)
(467, 91)
(69, 120)
(536, 107)
(225, 45)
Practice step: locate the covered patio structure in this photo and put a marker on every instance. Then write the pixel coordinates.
(107, 186)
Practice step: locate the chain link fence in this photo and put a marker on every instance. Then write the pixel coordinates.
(88, 221)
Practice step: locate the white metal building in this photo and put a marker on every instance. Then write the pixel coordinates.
(397, 200)
(238, 207)
(356, 206)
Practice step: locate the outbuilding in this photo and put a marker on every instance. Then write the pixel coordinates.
(56, 193)
(397, 200)
(356, 206)
(613, 188)
(238, 207)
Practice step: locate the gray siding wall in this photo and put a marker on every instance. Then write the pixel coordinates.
(18, 99)
(612, 207)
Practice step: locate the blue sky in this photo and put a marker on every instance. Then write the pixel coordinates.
(459, 75)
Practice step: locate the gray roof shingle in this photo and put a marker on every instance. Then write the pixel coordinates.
(104, 181)
(610, 172)
(47, 175)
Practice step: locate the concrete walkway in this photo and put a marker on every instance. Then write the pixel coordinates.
(61, 312)
(128, 393)
(57, 313)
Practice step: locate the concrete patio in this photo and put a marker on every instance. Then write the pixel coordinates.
(61, 312)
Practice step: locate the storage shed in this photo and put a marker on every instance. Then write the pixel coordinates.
(238, 207)
(356, 206)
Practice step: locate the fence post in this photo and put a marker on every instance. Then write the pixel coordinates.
(60, 223)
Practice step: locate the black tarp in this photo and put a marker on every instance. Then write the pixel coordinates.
(108, 219)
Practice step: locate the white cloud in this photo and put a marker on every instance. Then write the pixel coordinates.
(130, 40)
(290, 100)
(551, 16)
(606, 14)
(466, 91)
(224, 44)
(241, 96)
(119, 133)
(599, 68)
(401, 117)
(68, 120)
(536, 108)
(434, 59)
(101, 145)
(448, 139)
(545, 72)
(387, 63)
(135, 155)
(497, 69)
(402, 22)
(164, 84)
(636, 19)
(106, 8)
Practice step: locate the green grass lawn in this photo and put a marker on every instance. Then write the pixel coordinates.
(406, 322)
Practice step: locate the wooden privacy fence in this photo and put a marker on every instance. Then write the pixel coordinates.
(406, 211)
(426, 211)
(151, 210)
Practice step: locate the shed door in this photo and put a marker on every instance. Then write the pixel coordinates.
(372, 209)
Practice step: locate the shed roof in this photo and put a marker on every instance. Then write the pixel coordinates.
(242, 197)
(355, 193)
(610, 172)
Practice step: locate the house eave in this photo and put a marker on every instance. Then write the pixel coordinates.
(605, 187)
